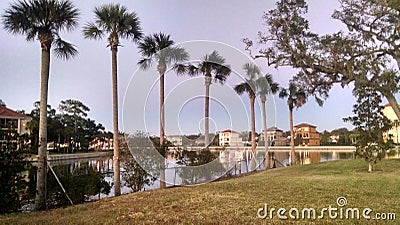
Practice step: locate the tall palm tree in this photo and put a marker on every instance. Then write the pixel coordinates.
(213, 68)
(43, 20)
(115, 21)
(296, 97)
(266, 86)
(160, 47)
(250, 87)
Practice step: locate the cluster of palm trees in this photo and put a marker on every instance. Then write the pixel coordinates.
(43, 20)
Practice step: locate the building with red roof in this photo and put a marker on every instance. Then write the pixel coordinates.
(10, 119)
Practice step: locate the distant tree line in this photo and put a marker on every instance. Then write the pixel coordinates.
(70, 129)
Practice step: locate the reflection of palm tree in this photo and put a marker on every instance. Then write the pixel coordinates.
(296, 97)
(250, 87)
(117, 22)
(212, 67)
(160, 47)
(266, 86)
(43, 20)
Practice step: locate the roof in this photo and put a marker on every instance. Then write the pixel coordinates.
(9, 113)
(229, 131)
(274, 129)
(305, 125)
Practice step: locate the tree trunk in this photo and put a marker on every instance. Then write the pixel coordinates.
(253, 135)
(207, 82)
(264, 115)
(117, 179)
(41, 183)
(292, 152)
(161, 69)
(370, 167)
(393, 102)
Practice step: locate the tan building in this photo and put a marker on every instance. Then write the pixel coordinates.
(394, 132)
(306, 135)
(230, 138)
(10, 119)
(274, 137)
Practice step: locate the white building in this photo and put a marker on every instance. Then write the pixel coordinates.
(230, 138)
(176, 140)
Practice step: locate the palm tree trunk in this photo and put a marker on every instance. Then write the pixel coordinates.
(207, 80)
(292, 152)
(253, 134)
(264, 115)
(41, 183)
(117, 179)
(162, 122)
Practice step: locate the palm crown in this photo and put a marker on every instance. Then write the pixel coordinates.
(250, 84)
(159, 47)
(115, 20)
(212, 65)
(266, 86)
(296, 96)
(43, 19)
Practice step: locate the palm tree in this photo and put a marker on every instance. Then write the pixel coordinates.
(160, 48)
(266, 86)
(115, 21)
(250, 87)
(296, 97)
(43, 20)
(212, 67)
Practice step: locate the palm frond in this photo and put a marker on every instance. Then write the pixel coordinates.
(91, 31)
(241, 88)
(63, 49)
(145, 63)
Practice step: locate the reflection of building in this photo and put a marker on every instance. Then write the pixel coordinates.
(393, 133)
(230, 138)
(308, 157)
(176, 140)
(306, 135)
(101, 144)
(10, 119)
(274, 137)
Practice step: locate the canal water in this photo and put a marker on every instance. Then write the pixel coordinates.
(104, 166)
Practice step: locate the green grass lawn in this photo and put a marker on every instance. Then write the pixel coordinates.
(236, 201)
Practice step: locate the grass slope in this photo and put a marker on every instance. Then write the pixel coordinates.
(236, 201)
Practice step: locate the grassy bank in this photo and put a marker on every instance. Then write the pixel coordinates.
(236, 201)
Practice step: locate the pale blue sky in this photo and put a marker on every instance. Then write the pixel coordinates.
(88, 78)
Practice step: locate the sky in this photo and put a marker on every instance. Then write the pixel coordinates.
(87, 77)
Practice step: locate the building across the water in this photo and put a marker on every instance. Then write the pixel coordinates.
(230, 138)
(12, 120)
(306, 135)
(274, 137)
(393, 133)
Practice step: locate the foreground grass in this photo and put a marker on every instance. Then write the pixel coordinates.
(236, 201)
